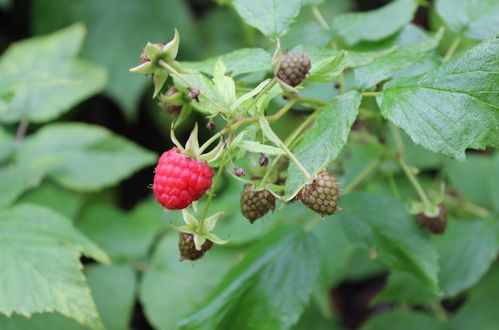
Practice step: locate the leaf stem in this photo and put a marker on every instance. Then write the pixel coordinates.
(439, 312)
(188, 83)
(318, 16)
(21, 131)
(213, 188)
(453, 47)
(361, 176)
(262, 92)
(311, 100)
(468, 206)
(373, 94)
(414, 182)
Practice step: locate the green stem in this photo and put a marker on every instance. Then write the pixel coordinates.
(453, 47)
(188, 83)
(212, 191)
(318, 16)
(468, 206)
(311, 100)
(296, 161)
(311, 225)
(361, 176)
(262, 92)
(414, 182)
(439, 312)
(373, 94)
(342, 83)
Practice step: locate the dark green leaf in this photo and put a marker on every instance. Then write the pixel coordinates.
(122, 235)
(246, 60)
(90, 157)
(384, 67)
(480, 309)
(113, 288)
(43, 321)
(376, 24)
(262, 292)
(494, 182)
(451, 108)
(406, 288)
(402, 319)
(40, 265)
(324, 141)
(171, 289)
(45, 77)
(271, 17)
(117, 32)
(475, 19)
(382, 226)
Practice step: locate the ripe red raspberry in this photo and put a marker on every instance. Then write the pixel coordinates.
(180, 180)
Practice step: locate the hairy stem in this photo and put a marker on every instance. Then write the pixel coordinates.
(414, 181)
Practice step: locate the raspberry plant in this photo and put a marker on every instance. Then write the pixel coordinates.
(299, 146)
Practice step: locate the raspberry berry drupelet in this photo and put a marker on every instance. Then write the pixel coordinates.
(180, 180)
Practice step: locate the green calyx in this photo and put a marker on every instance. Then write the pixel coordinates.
(200, 232)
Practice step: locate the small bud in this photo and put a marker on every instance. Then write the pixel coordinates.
(193, 93)
(211, 126)
(166, 104)
(263, 161)
(240, 171)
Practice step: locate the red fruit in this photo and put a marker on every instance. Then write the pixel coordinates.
(180, 180)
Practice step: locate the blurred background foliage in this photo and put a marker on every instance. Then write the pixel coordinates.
(146, 287)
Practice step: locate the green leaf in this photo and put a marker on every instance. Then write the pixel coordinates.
(471, 178)
(8, 144)
(43, 321)
(384, 67)
(375, 24)
(480, 309)
(406, 288)
(494, 182)
(49, 195)
(122, 235)
(91, 157)
(268, 132)
(261, 292)
(241, 61)
(17, 178)
(45, 78)
(272, 18)
(39, 257)
(324, 140)
(224, 84)
(476, 19)
(451, 108)
(464, 258)
(382, 226)
(171, 289)
(314, 319)
(327, 69)
(258, 147)
(402, 319)
(138, 21)
(113, 288)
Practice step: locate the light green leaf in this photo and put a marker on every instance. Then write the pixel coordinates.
(327, 69)
(268, 132)
(171, 289)
(451, 108)
(122, 235)
(49, 195)
(44, 77)
(90, 157)
(324, 140)
(271, 17)
(384, 67)
(241, 61)
(8, 143)
(249, 95)
(381, 226)
(113, 288)
(375, 24)
(261, 290)
(402, 319)
(476, 19)
(19, 177)
(43, 321)
(224, 84)
(253, 146)
(138, 21)
(39, 257)
(205, 85)
(480, 309)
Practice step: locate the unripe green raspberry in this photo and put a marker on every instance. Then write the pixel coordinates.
(293, 68)
(188, 249)
(322, 195)
(256, 203)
